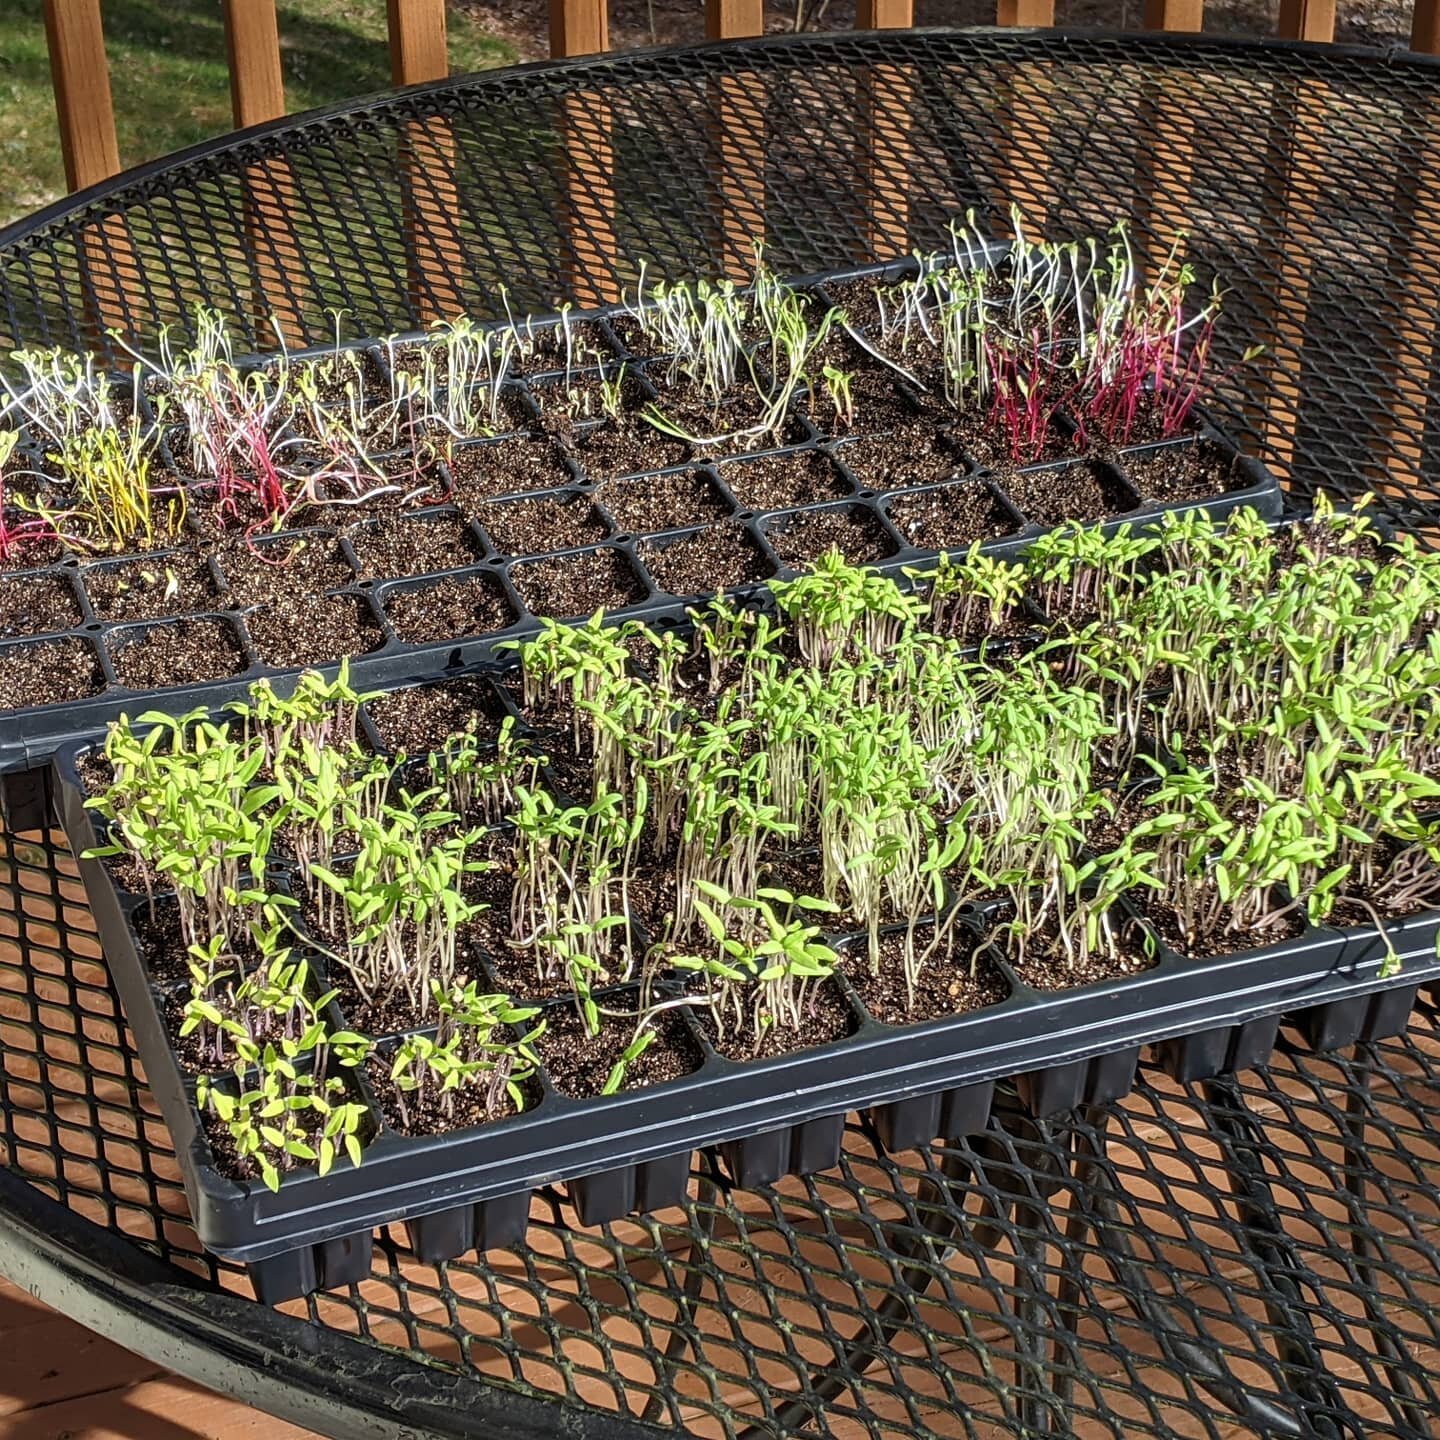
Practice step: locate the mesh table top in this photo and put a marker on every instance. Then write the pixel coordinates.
(1249, 1258)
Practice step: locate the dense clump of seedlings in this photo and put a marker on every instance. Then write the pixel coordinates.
(977, 596)
(479, 1058)
(283, 1104)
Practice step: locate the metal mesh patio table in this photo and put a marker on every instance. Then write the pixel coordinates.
(1245, 1257)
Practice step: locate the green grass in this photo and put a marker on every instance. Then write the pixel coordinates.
(170, 83)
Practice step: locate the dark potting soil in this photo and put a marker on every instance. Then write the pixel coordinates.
(486, 472)
(450, 609)
(651, 895)
(1045, 966)
(987, 444)
(630, 447)
(662, 502)
(1077, 492)
(1166, 924)
(720, 558)
(579, 1064)
(150, 589)
(419, 720)
(419, 546)
(783, 481)
(551, 345)
(35, 604)
(287, 565)
(177, 653)
(953, 981)
(311, 630)
(1177, 473)
(826, 1017)
(876, 404)
(581, 396)
(858, 299)
(47, 673)
(534, 527)
(158, 939)
(950, 517)
(856, 534)
(567, 586)
(430, 1111)
(913, 455)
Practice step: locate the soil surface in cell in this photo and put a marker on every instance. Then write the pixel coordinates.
(825, 1017)
(486, 472)
(288, 565)
(720, 558)
(423, 717)
(176, 654)
(150, 589)
(856, 534)
(1077, 492)
(911, 456)
(1040, 961)
(662, 502)
(565, 586)
(954, 980)
(783, 481)
(534, 527)
(35, 604)
(395, 549)
(627, 447)
(951, 517)
(579, 1064)
(1180, 473)
(310, 630)
(451, 609)
(46, 673)
(1166, 924)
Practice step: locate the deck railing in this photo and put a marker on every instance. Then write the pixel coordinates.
(75, 30)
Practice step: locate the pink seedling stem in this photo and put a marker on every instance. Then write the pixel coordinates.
(1028, 391)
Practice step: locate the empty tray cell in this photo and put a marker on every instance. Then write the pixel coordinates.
(260, 572)
(673, 501)
(421, 717)
(36, 603)
(548, 522)
(48, 672)
(578, 584)
(414, 545)
(783, 480)
(175, 652)
(722, 557)
(627, 447)
(915, 455)
(488, 471)
(1175, 474)
(313, 630)
(856, 532)
(150, 588)
(452, 608)
(1058, 493)
(951, 517)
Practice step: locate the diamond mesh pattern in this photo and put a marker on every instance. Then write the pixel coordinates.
(1254, 1257)
(1251, 1258)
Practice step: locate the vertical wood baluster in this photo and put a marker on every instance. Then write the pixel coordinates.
(434, 250)
(737, 141)
(1307, 20)
(885, 99)
(257, 94)
(1166, 137)
(86, 115)
(1022, 176)
(582, 27)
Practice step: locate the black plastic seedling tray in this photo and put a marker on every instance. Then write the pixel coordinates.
(28, 738)
(768, 1118)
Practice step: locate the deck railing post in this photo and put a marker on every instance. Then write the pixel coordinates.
(257, 94)
(886, 103)
(1023, 179)
(586, 125)
(435, 254)
(1165, 137)
(80, 76)
(737, 141)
